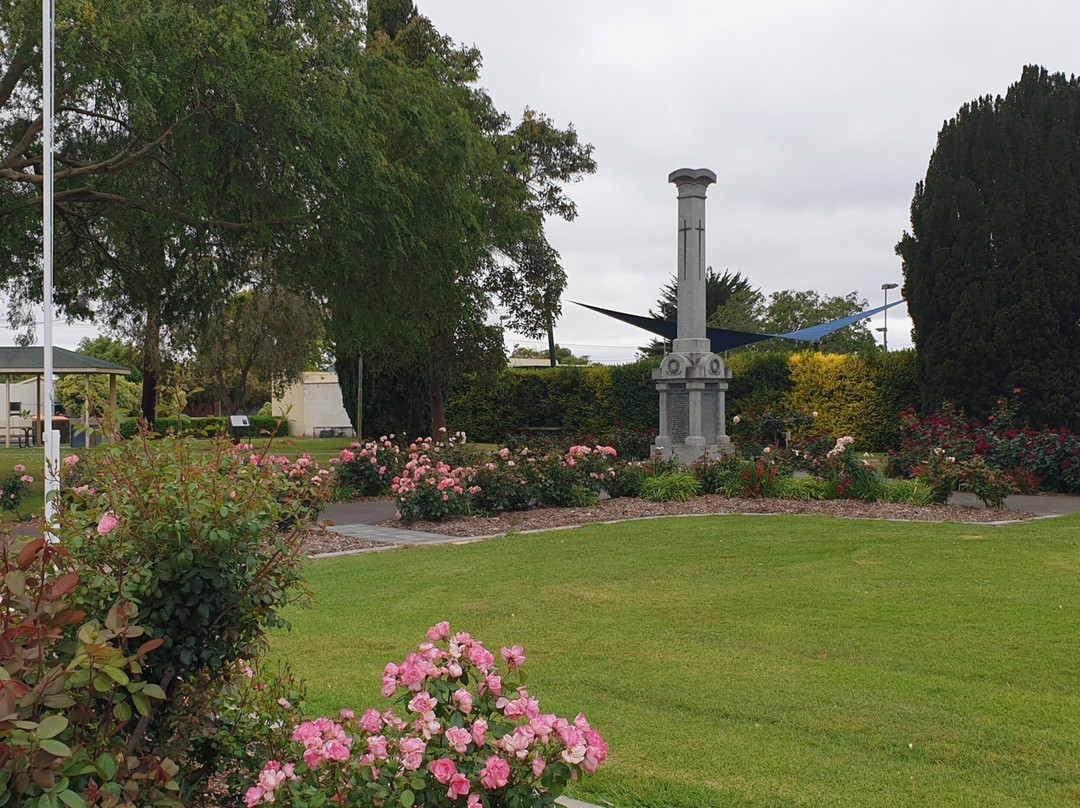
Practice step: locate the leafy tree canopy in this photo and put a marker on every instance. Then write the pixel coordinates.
(265, 335)
(719, 289)
(112, 350)
(564, 356)
(733, 304)
(992, 261)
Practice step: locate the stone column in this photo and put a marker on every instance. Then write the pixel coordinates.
(691, 380)
(692, 184)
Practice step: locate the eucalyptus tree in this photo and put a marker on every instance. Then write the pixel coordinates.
(486, 247)
(184, 145)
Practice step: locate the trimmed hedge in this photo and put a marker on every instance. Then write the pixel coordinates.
(257, 425)
(841, 389)
(575, 399)
(854, 395)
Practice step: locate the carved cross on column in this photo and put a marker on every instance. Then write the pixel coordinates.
(685, 232)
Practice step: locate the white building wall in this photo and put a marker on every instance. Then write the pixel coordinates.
(314, 406)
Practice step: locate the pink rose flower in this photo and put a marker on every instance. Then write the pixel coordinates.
(443, 769)
(377, 746)
(514, 657)
(538, 766)
(18, 468)
(422, 703)
(479, 731)
(458, 738)
(463, 700)
(459, 786)
(481, 657)
(412, 752)
(439, 631)
(107, 524)
(371, 721)
(495, 774)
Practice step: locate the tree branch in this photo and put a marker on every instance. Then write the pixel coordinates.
(11, 79)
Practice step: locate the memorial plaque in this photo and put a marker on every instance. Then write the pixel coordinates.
(710, 403)
(678, 400)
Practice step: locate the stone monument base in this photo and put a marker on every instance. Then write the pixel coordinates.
(692, 388)
(690, 454)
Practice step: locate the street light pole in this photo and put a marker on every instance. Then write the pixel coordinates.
(885, 287)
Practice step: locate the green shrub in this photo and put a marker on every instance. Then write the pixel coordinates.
(718, 475)
(634, 401)
(911, 492)
(801, 489)
(194, 535)
(989, 484)
(759, 379)
(759, 478)
(258, 426)
(580, 400)
(627, 480)
(865, 483)
(671, 487)
(894, 377)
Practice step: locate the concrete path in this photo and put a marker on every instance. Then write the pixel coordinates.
(357, 519)
(1042, 504)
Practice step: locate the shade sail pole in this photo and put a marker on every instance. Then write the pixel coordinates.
(52, 446)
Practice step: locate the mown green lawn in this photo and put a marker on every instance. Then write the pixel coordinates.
(752, 661)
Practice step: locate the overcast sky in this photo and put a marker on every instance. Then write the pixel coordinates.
(817, 116)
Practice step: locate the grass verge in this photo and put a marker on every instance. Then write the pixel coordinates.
(752, 661)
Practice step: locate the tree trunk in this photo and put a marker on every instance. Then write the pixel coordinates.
(151, 363)
(435, 392)
(438, 411)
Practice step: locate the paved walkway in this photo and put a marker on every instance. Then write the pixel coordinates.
(357, 519)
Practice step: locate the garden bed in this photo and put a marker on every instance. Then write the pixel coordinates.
(613, 510)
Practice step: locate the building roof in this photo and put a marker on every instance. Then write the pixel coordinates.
(31, 360)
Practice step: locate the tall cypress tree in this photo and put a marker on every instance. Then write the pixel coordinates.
(992, 262)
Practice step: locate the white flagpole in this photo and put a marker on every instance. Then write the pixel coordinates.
(52, 446)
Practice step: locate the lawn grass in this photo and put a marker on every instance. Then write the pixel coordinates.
(752, 661)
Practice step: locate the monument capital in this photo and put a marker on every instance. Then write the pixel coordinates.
(692, 176)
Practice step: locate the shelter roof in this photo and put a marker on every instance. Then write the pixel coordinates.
(31, 360)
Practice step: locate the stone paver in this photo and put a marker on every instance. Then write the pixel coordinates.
(567, 802)
(395, 535)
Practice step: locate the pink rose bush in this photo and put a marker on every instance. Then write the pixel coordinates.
(430, 488)
(14, 488)
(369, 469)
(464, 733)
